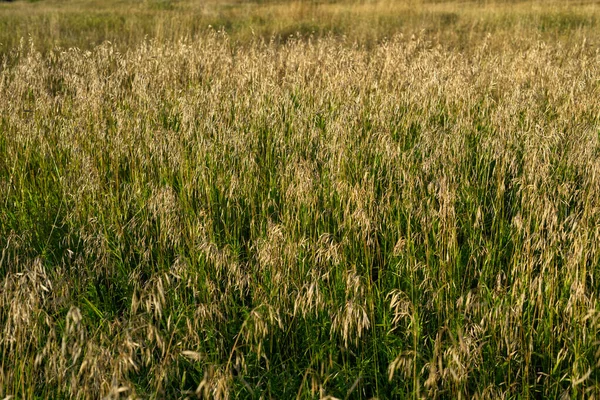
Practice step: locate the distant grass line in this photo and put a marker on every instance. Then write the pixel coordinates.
(302, 219)
(86, 24)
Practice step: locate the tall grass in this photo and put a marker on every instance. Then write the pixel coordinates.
(301, 219)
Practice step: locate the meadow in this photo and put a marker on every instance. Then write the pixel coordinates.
(299, 199)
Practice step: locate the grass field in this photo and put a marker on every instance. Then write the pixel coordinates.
(374, 199)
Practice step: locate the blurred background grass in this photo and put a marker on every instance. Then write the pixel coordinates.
(85, 24)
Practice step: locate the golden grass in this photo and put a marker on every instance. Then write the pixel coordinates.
(407, 211)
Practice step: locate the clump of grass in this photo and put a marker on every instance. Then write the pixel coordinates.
(306, 218)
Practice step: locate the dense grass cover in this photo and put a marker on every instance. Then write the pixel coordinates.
(302, 218)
